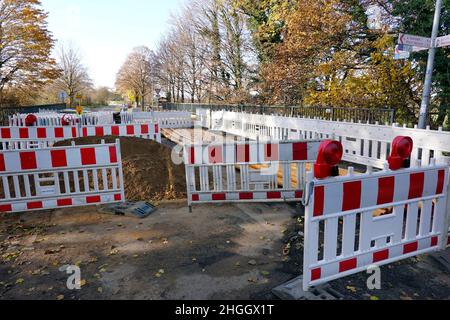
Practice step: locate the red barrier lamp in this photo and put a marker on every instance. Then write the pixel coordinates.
(402, 148)
(330, 154)
(30, 120)
(66, 120)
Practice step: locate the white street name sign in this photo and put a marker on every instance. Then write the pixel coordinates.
(443, 41)
(415, 41)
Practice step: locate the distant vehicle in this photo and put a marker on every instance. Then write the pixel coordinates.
(69, 111)
(73, 111)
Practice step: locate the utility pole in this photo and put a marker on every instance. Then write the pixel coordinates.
(430, 67)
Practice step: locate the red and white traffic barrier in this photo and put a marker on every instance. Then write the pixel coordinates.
(251, 152)
(61, 177)
(38, 133)
(401, 214)
(44, 119)
(147, 131)
(249, 196)
(268, 172)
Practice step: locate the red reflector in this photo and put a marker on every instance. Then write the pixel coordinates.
(410, 248)
(219, 197)
(381, 256)
(94, 199)
(348, 265)
(316, 274)
(5, 208)
(434, 241)
(35, 205)
(246, 196)
(274, 195)
(64, 202)
(319, 201)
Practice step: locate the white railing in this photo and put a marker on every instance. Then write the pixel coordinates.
(363, 143)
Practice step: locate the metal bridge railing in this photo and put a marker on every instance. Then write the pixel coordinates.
(365, 115)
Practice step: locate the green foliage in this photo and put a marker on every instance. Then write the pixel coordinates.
(416, 17)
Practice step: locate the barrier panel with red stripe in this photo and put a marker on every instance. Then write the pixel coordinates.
(20, 138)
(356, 221)
(60, 177)
(149, 131)
(38, 133)
(248, 172)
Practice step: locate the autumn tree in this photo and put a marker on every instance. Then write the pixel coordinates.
(380, 83)
(136, 77)
(74, 79)
(207, 55)
(25, 47)
(266, 20)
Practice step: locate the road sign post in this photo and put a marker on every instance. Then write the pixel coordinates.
(430, 67)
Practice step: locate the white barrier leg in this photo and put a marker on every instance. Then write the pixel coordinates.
(445, 236)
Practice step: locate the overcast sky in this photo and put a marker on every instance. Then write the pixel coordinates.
(107, 30)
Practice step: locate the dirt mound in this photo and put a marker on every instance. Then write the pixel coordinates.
(149, 173)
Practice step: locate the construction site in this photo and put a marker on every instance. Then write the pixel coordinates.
(216, 205)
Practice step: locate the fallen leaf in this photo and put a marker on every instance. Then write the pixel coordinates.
(374, 298)
(352, 289)
(265, 273)
(20, 281)
(100, 289)
(252, 262)
(60, 297)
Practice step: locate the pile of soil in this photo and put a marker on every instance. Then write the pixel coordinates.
(148, 170)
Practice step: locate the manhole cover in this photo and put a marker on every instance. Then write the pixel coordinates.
(133, 209)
